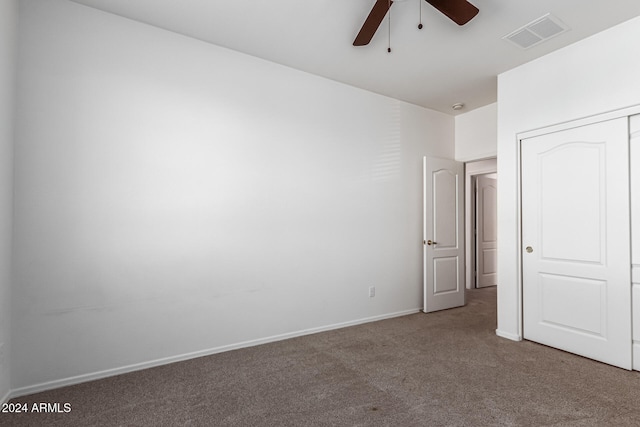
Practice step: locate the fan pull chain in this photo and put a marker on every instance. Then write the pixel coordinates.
(420, 24)
(389, 32)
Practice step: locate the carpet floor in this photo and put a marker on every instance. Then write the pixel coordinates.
(440, 369)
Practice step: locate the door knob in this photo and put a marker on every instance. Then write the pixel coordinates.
(429, 242)
(529, 249)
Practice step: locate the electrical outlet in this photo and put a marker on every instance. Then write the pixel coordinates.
(372, 291)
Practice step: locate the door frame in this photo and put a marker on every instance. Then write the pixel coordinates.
(472, 169)
(610, 115)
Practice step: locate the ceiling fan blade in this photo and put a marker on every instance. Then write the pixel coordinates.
(372, 22)
(459, 11)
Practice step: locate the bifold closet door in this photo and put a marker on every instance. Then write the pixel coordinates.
(634, 153)
(575, 241)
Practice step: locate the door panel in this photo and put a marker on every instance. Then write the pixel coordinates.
(443, 240)
(445, 271)
(445, 189)
(486, 232)
(576, 203)
(588, 317)
(575, 235)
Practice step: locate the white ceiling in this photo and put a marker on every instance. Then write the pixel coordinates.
(435, 67)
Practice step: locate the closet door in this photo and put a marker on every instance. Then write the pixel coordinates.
(575, 237)
(634, 123)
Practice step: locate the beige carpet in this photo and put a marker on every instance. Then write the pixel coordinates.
(440, 369)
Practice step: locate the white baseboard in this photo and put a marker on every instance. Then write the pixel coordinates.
(508, 335)
(50, 385)
(5, 398)
(636, 356)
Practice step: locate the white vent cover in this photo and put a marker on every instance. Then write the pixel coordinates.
(537, 31)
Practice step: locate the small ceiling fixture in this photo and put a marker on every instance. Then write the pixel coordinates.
(458, 106)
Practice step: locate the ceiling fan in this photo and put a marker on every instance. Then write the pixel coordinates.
(459, 11)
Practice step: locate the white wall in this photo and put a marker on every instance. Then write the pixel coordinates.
(477, 134)
(592, 76)
(8, 21)
(174, 198)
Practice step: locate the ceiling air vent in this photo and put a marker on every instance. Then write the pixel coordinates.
(537, 31)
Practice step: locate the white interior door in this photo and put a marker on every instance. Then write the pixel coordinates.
(443, 234)
(486, 231)
(575, 237)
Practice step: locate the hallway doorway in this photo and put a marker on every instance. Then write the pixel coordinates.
(480, 224)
